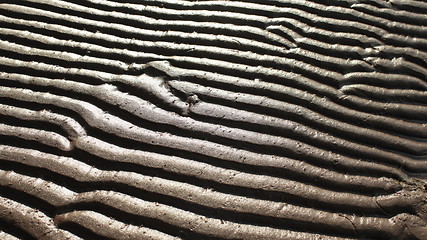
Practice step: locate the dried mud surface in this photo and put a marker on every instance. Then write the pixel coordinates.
(163, 119)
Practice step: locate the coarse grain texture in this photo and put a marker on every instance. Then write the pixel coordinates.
(164, 119)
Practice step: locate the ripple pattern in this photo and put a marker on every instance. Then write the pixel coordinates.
(163, 119)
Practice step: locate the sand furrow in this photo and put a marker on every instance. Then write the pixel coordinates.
(246, 119)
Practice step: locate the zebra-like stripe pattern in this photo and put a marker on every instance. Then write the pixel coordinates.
(163, 119)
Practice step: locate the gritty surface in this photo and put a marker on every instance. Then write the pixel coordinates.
(278, 119)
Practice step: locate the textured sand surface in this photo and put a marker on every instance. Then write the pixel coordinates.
(163, 119)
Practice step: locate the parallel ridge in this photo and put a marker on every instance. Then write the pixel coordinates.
(163, 119)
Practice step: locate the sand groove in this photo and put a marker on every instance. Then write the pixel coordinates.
(164, 119)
